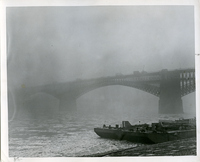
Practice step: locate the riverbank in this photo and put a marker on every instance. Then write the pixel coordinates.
(172, 148)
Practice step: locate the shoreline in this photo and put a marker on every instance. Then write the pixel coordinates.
(181, 147)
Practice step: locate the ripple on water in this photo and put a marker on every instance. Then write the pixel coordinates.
(64, 137)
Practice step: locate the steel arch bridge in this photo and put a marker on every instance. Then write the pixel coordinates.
(169, 86)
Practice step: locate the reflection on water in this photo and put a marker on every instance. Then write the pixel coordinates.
(70, 135)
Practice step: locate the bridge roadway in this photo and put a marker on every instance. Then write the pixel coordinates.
(169, 86)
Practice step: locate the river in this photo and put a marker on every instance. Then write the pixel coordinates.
(71, 135)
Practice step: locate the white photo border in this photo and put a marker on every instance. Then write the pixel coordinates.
(4, 107)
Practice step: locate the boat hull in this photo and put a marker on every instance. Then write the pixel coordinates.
(109, 133)
(144, 137)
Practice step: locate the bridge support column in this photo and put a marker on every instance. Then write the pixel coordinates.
(170, 95)
(67, 105)
(170, 106)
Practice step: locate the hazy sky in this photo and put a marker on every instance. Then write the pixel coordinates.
(59, 44)
(49, 44)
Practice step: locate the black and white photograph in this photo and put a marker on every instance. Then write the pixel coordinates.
(101, 81)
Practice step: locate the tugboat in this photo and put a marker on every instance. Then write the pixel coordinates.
(163, 131)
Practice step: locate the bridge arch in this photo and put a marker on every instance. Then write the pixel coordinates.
(154, 90)
(119, 100)
(12, 105)
(189, 105)
(68, 100)
(34, 105)
(169, 86)
(41, 104)
(94, 88)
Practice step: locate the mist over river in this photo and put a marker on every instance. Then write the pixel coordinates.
(71, 135)
(71, 44)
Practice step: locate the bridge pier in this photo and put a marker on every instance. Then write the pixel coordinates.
(67, 105)
(170, 95)
(170, 106)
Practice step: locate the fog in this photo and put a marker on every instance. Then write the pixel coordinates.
(59, 44)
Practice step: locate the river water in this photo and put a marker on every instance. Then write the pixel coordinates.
(71, 135)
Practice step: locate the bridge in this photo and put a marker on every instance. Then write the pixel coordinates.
(169, 86)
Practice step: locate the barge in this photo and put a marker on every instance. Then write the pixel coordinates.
(163, 131)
